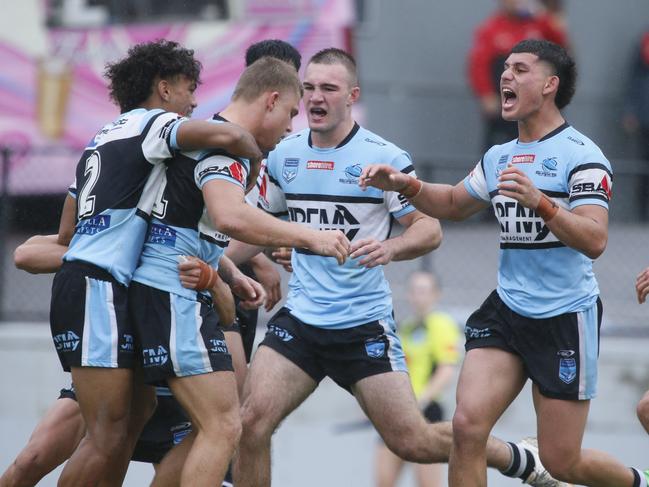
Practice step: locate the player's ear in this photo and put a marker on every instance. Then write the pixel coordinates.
(551, 84)
(354, 94)
(271, 100)
(162, 88)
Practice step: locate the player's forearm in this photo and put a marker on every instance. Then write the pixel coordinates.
(444, 202)
(586, 233)
(198, 134)
(40, 255)
(422, 236)
(255, 227)
(223, 303)
(240, 252)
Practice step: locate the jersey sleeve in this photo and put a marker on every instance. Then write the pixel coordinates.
(591, 184)
(271, 197)
(476, 183)
(72, 189)
(397, 204)
(222, 167)
(160, 137)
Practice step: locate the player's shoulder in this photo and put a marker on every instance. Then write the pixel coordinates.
(372, 141)
(580, 149)
(293, 141)
(498, 153)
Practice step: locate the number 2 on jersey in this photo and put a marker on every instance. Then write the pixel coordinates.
(86, 203)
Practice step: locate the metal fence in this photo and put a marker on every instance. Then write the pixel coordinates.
(466, 262)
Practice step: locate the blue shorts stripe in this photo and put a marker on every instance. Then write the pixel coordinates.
(587, 322)
(188, 351)
(395, 351)
(99, 344)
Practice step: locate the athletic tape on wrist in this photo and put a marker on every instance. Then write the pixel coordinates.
(546, 208)
(412, 189)
(207, 278)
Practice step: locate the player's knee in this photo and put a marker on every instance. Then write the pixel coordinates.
(255, 422)
(468, 429)
(30, 466)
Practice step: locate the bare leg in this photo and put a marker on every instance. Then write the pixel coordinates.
(104, 396)
(235, 347)
(275, 386)
(498, 377)
(168, 471)
(51, 444)
(388, 466)
(428, 475)
(212, 404)
(561, 427)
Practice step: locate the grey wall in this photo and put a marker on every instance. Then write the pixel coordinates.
(412, 57)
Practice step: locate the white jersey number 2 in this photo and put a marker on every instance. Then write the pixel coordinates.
(86, 203)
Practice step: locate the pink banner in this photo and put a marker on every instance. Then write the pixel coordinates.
(50, 108)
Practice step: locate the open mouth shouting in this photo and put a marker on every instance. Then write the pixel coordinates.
(508, 98)
(317, 114)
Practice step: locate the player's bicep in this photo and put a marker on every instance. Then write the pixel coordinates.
(466, 202)
(222, 200)
(68, 220)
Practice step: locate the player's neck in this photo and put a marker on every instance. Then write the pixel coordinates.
(244, 115)
(539, 125)
(333, 137)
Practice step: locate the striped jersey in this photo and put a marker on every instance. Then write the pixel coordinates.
(539, 276)
(180, 224)
(319, 188)
(116, 182)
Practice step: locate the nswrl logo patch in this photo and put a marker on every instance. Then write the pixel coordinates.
(567, 366)
(289, 170)
(375, 348)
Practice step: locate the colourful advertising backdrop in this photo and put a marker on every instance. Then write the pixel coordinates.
(50, 107)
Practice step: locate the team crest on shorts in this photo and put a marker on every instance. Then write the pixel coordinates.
(289, 171)
(567, 366)
(375, 348)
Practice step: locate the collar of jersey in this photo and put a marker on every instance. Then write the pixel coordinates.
(349, 137)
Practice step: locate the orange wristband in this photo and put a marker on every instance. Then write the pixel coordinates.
(546, 208)
(412, 188)
(208, 277)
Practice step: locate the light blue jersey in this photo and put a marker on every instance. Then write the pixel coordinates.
(319, 188)
(116, 183)
(539, 276)
(181, 225)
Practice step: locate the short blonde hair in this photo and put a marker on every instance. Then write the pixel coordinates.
(267, 74)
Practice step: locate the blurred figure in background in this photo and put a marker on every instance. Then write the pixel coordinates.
(494, 38)
(430, 341)
(636, 116)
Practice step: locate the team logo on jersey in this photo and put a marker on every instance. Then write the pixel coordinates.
(94, 225)
(352, 172)
(322, 165)
(567, 366)
(289, 170)
(548, 167)
(154, 357)
(523, 159)
(375, 348)
(67, 341)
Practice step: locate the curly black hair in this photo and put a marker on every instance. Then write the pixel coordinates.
(557, 57)
(132, 78)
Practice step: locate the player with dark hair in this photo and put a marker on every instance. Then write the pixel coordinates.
(116, 179)
(550, 190)
(204, 196)
(274, 48)
(337, 321)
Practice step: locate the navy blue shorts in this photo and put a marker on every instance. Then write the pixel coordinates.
(559, 353)
(346, 355)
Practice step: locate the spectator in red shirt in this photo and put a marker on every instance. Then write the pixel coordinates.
(514, 21)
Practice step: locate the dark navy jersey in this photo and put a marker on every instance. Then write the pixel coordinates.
(538, 275)
(116, 183)
(180, 224)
